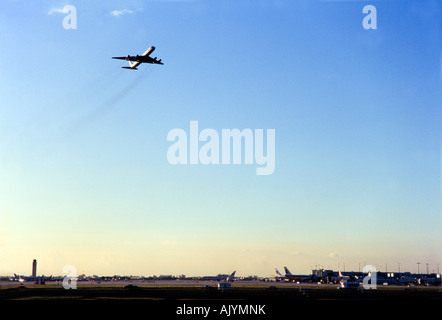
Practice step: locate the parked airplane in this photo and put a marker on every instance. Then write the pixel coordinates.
(295, 278)
(40, 279)
(144, 58)
(83, 277)
(340, 277)
(221, 277)
(279, 276)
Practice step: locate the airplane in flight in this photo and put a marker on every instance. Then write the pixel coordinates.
(135, 61)
(295, 278)
(221, 277)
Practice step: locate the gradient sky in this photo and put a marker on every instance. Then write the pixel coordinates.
(84, 177)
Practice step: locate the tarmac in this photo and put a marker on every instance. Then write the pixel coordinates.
(184, 298)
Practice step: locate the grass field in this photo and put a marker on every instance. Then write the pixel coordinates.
(203, 290)
(164, 299)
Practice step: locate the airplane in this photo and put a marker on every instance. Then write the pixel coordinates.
(40, 279)
(83, 277)
(144, 58)
(340, 277)
(295, 278)
(278, 276)
(221, 277)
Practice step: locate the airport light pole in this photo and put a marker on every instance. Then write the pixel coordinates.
(418, 263)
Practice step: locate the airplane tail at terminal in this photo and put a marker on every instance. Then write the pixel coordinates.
(278, 276)
(287, 272)
(341, 276)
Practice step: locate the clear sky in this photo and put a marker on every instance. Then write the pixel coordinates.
(84, 176)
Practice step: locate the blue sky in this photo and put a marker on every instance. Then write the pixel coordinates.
(84, 178)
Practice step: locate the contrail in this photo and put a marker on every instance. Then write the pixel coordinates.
(43, 126)
(110, 104)
(66, 108)
(44, 123)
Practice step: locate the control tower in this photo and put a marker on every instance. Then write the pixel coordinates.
(34, 267)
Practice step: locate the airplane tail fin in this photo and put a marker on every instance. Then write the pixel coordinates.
(287, 272)
(278, 273)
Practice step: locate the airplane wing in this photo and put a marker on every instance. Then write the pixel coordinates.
(149, 51)
(155, 61)
(145, 59)
(128, 58)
